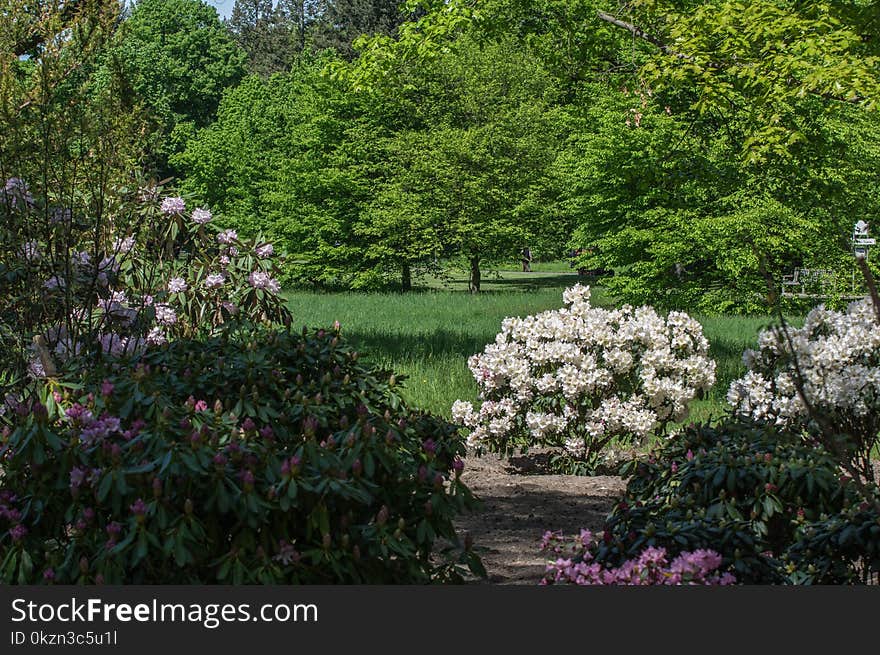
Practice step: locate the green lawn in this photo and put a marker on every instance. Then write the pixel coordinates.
(428, 335)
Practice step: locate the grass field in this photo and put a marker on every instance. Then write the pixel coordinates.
(428, 335)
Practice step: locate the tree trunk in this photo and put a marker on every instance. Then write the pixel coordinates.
(406, 278)
(474, 281)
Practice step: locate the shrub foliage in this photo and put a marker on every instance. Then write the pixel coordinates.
(268, 457)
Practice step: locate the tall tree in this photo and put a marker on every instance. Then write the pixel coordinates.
(343, 21)
(179, 59)
(270, 32)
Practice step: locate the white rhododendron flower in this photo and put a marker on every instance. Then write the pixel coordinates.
(838, 355)
(578, 376)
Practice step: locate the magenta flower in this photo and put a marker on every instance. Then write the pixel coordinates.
(18, 532)
(106, 388)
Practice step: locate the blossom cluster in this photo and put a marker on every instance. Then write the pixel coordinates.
(834, 358)
(651, 567)
(580, 375)
(121, 294)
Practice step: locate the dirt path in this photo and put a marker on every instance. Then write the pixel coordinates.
(520, 504)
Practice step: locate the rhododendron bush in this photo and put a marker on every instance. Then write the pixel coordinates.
(744, 489)
(265, 457)
(835, 360)
(574, 564)
(580, 376)
(154, 271)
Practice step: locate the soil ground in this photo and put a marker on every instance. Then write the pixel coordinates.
(520, 503)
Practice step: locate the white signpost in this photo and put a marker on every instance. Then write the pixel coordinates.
(861, 242)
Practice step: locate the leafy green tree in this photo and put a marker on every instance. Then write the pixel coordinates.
(275, 33)
(179, 60)
(342, 22)
(666, 202)
(70, 161)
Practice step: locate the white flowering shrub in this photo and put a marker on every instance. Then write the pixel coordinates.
(580, 376)
(835, 360)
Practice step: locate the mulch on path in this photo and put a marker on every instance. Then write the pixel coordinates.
(519, 503)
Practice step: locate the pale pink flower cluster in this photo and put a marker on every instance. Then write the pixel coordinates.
(123, 245)
(116, 345)
(173, 205)
(582, 373)
(214, 280)
(201, 216)
(838, 354)
(156, 337)
(227, 237)
(165, 315)
(261, 280)
(265, 250)
(177, 285)
(55, 282)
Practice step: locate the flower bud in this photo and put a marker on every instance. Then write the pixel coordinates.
(188, 507)
(382, 516)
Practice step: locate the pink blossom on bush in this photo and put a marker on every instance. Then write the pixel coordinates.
(123, 245)
(651, 567)
(165, 315)
(227, 236)
(264, 251)
(261, 280)
(177, 285)
(55, 282)
(174, 205)
(214, 280)
(201, 216)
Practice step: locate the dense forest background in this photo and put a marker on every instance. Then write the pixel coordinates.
(697, 148)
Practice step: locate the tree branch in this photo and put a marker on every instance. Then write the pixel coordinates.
(33, 39)
(642, 34)
(637, 31)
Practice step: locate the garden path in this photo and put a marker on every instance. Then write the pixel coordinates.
(519, 503)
